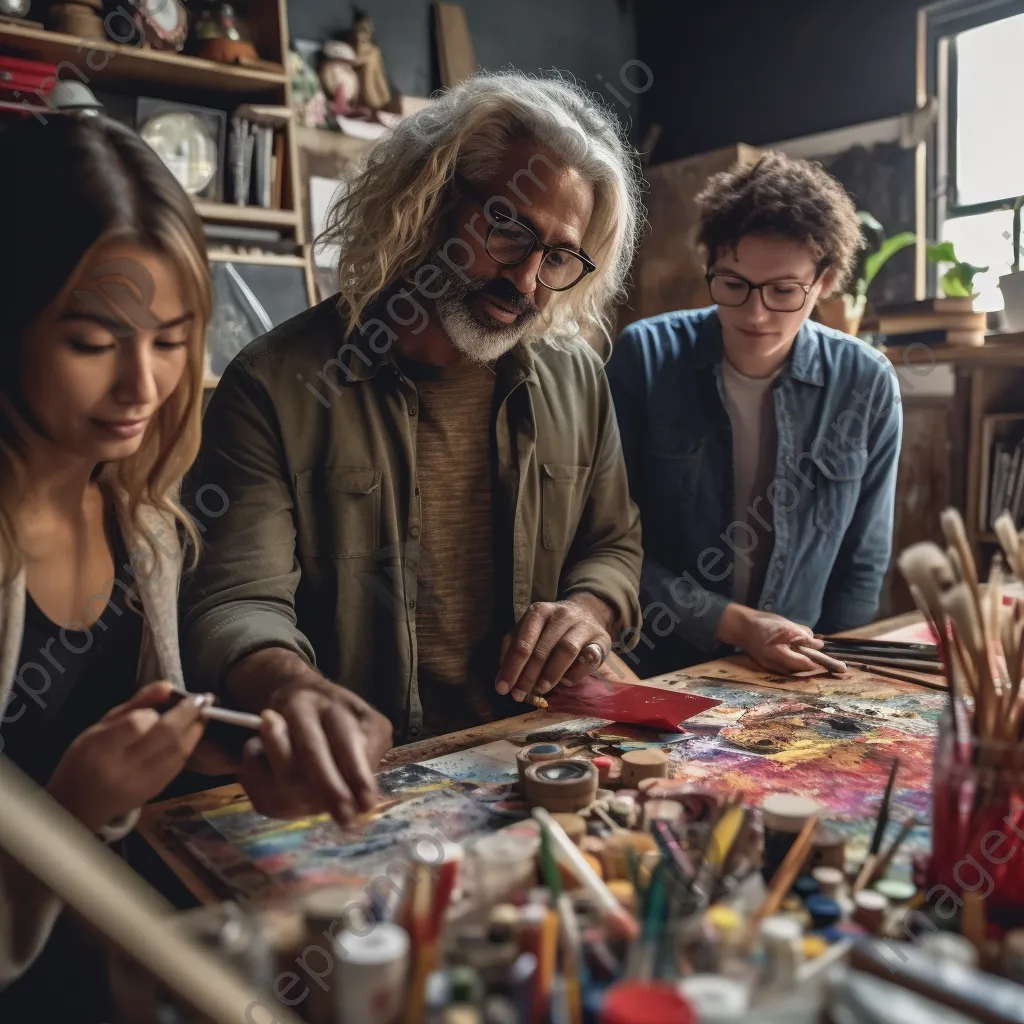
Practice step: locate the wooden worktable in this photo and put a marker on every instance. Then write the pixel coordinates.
(738, 670)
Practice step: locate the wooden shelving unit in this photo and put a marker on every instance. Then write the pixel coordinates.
(989, 388)
(105, 62)
(254, 216)
(141, 71)
(257, 259)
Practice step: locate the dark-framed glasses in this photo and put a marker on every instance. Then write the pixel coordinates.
(778, 296)
(510, 242)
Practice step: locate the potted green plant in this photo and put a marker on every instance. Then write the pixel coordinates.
(958, 280)
(1012, 284)
(844, 312)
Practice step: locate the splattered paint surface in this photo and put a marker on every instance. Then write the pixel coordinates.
(837, 749)
(827, 743)
(259, 858)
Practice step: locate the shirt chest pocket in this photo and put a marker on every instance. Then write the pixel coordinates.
(840, 475)
(673, 474)
(561, 489)
(339, 512)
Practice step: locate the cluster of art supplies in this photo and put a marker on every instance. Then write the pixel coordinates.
(630, 898)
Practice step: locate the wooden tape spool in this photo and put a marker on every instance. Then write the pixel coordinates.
(566, 785)
(638, 765)
(536, 753)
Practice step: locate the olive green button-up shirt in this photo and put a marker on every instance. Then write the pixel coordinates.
(306, 486)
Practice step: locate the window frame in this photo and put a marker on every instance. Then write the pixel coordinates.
(941, 24)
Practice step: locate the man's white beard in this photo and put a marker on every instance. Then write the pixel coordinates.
(475, 341)
(478, 341)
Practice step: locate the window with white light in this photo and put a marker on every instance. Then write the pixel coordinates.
(984, 147)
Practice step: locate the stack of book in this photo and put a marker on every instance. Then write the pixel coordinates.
(256, 154)
(941, 321)
(1006, 482)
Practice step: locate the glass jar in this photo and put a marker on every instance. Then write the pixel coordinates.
(978, 819)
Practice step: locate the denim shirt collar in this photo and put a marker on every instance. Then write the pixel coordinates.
(804, 363)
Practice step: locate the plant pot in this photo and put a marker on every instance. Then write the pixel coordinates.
(1012, 287)
(841, 312)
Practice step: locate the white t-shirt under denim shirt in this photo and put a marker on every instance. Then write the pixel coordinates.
(751, 407)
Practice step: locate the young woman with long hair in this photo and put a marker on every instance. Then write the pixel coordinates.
(103, 307)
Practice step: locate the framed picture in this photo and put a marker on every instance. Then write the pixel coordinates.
(249, 299)
(189, 140)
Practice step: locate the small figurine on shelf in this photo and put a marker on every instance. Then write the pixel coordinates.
(221, 35)
(375, 92)
(308, 99)
(340, 79)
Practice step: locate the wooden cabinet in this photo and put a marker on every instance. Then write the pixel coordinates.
(944, 459)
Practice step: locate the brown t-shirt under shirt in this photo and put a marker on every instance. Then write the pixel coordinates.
(456, 636)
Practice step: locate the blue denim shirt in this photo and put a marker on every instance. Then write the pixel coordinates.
(837, 410)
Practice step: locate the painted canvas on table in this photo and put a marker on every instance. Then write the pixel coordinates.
(829, 743)
(836, 749)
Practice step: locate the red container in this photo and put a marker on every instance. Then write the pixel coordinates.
(32, 80)
(645, 1002)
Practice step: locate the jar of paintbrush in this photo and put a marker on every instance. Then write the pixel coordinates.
(978, 779)
(978, 819)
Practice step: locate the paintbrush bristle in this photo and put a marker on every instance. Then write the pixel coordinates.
(926, 567)
(1009, 538)
(955, 532)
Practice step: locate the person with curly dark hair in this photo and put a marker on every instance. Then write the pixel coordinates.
(761, 447)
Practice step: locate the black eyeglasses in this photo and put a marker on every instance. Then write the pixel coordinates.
(510, 242)
(778, 296)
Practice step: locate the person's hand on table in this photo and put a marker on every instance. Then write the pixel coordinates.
(317, 749)
(554, 642)
(129, 756)
(768, 638)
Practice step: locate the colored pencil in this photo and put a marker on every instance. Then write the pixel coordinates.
(569, 854)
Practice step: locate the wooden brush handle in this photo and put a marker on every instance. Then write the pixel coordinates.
(834, 665)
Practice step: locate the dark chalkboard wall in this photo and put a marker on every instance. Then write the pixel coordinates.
(761, 71)
(592, 39)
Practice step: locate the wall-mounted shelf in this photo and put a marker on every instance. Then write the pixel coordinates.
(256, 216)
(263, 259)
(101, 61)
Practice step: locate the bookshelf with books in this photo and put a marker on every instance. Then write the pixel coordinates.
(958, 401)
(1002, 470)
(251, 211)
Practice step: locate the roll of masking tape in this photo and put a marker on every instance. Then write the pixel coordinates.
(565, 785)
(535, 754)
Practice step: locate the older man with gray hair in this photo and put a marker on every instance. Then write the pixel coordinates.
(427, 511)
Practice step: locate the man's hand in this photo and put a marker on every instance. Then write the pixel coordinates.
(555, 642)
(767, 638)
(319, 744)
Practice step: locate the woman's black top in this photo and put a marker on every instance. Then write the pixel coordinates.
(68, 678)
